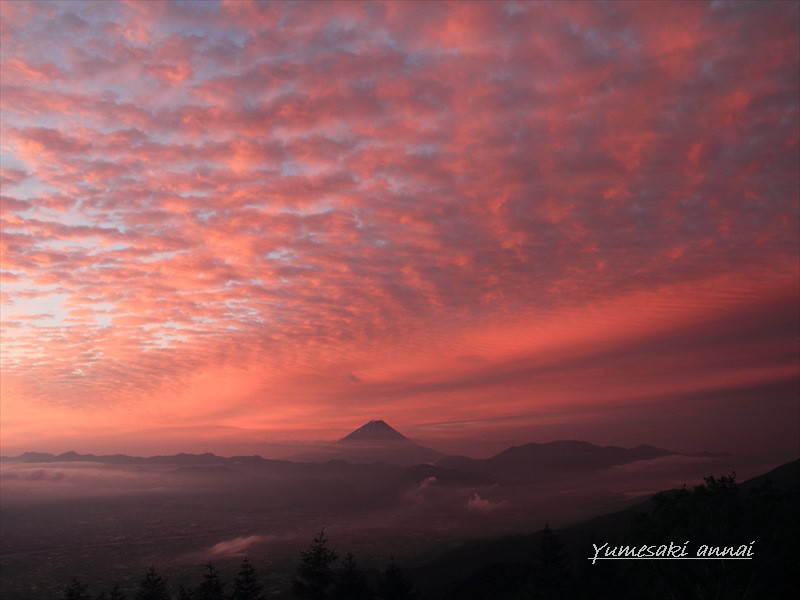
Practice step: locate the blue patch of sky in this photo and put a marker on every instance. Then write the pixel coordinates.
(425, 150)
(628, 37)
(103, 318)
(238, 310)
(115, 247)
(30, 188)
(209, 7)
(50, 304)
(165, 340)
(513, 8)
(357, 219)
(204, 214)
(289, 168)
(202, 320)
(157, 256)
(396, 184)
(165, 324)
(320, 208)
(74, 216)
(283, 254)
(9, 161)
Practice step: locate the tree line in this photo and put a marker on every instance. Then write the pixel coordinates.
(317, 578)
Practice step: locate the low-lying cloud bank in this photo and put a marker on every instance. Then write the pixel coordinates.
(483, 505)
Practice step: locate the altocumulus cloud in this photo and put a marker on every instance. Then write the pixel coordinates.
(199, 195)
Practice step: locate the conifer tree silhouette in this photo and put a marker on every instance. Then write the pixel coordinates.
(247, 586)
(212, 587)
(77, 591)
(115, 593)
(184, 594)
(315, 572)
(550, 574)
(350, 584)
(152, 587)
(394, 585)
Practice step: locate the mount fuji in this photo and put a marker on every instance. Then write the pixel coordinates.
(374, 431)
(375, 441)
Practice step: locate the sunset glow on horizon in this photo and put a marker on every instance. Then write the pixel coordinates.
(230, 224)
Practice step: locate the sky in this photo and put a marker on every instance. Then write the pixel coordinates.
(231, 225)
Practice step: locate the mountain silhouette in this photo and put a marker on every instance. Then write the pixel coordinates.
(375, 431)
(377, 441)
(554, 460)
(374, 441)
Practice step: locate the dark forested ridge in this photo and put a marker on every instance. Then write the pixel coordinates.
(759, 516)
(720, 513)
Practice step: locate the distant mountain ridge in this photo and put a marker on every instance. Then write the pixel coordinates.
(176, 459)
(378, 442)
(536, 462)
(375, 441)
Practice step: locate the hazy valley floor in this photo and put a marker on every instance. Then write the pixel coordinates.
(107, 523)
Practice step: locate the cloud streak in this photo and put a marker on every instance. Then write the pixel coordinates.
(237, 546)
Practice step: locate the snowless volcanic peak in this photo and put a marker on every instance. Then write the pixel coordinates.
(375, 431)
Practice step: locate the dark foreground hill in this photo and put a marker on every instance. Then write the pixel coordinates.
(761, 512)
